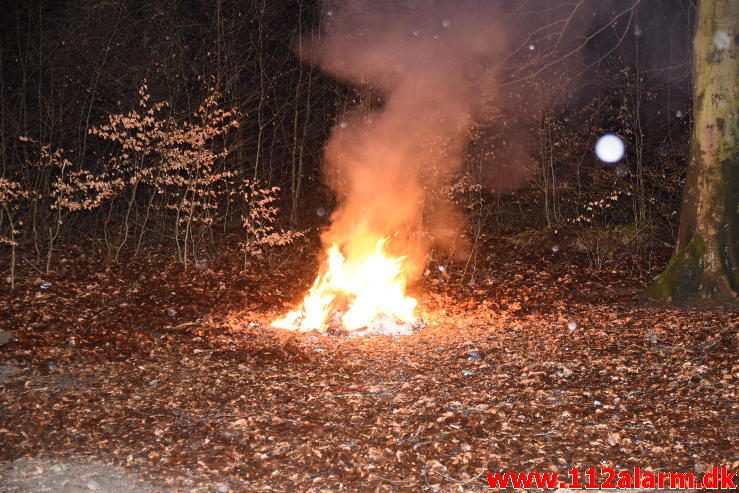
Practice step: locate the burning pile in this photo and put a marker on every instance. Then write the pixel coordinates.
(430, 63)
(363, 291)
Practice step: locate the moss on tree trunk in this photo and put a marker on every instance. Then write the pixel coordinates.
(705, 260)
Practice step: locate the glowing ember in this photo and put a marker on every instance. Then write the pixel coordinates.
(358, 291)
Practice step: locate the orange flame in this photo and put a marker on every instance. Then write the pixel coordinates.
(363, 287)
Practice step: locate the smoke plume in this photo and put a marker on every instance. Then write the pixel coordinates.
(437, 67)
(431, 64)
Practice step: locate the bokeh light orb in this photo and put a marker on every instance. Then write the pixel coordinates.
(610, 148)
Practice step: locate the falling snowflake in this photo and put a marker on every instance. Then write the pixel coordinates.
(722, 40)
(610, 148)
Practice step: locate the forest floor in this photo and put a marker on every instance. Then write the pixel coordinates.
(150, 378)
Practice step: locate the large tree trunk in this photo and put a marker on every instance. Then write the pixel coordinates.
(705, 262)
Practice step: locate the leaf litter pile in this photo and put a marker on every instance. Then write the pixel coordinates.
(176, 380)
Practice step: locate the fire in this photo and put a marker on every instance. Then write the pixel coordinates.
(357, 291)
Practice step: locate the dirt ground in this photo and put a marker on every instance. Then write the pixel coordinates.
(153, 379)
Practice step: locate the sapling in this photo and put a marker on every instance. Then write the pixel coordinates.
(11, 200)
(260, 218)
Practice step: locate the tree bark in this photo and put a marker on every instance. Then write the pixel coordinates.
(706, 259)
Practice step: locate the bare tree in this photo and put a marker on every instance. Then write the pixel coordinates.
(706, 260)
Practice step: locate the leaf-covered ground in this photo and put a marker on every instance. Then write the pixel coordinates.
(175, 379)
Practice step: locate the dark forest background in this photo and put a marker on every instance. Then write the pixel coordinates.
(169, 125)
